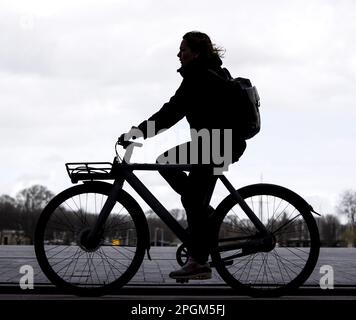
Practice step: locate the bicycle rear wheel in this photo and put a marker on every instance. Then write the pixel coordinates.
(295, 250)
(59, 240)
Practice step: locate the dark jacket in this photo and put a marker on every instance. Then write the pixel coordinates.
(198, 99)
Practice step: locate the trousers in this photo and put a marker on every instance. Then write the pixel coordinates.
(196, 189)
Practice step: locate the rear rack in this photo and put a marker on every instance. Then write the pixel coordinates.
(89, 171)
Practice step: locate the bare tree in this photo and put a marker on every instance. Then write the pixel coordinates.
(347, 206)
(9, 213)
(329, 227)
(31, 201)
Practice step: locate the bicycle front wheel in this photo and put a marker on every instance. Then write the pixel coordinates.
(295, 250)
(60, 230)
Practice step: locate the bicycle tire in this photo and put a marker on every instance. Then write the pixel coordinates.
(288, 265)
(115, 260)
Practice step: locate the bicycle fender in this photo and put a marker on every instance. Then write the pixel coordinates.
(301, 200)
(244, 191)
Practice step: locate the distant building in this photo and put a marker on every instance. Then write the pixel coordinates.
(13, 237)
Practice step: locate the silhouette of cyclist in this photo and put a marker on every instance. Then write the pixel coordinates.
(199, 99)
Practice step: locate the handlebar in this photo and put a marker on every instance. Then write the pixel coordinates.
(128, 146)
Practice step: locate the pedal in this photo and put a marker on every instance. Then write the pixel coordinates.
(182, 280)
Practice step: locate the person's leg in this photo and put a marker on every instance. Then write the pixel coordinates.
(200, 187)
(176, 179)
(195, 190)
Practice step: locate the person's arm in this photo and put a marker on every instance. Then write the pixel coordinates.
(170, 113)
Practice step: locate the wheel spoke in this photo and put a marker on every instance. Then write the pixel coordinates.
(295, 249)
(64, 257)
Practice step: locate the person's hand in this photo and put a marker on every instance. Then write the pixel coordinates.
(133, 134)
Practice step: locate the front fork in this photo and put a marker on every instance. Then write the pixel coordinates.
(94, 235)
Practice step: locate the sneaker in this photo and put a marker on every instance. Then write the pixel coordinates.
(192, 271)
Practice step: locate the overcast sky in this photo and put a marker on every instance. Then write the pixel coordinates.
(76, 74)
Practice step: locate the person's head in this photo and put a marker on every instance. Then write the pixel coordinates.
(197, 45)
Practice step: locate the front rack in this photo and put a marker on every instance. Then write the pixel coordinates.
(89, 171)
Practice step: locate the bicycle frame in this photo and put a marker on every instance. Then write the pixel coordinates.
(90, 252)
(123, 171)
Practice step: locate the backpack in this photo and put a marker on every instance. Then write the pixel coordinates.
(243, 102)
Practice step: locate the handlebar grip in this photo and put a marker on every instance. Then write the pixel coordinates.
(126, 144)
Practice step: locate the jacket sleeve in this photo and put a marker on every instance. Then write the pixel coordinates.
(170, 113)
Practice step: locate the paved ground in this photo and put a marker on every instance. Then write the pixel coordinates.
(155, 272)
(152, 290)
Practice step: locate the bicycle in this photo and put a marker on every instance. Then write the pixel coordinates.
(92, 237)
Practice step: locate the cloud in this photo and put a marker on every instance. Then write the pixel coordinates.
(74, 75)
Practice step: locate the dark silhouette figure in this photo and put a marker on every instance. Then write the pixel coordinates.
(199, 99)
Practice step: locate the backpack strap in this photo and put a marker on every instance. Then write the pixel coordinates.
(226, 73)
